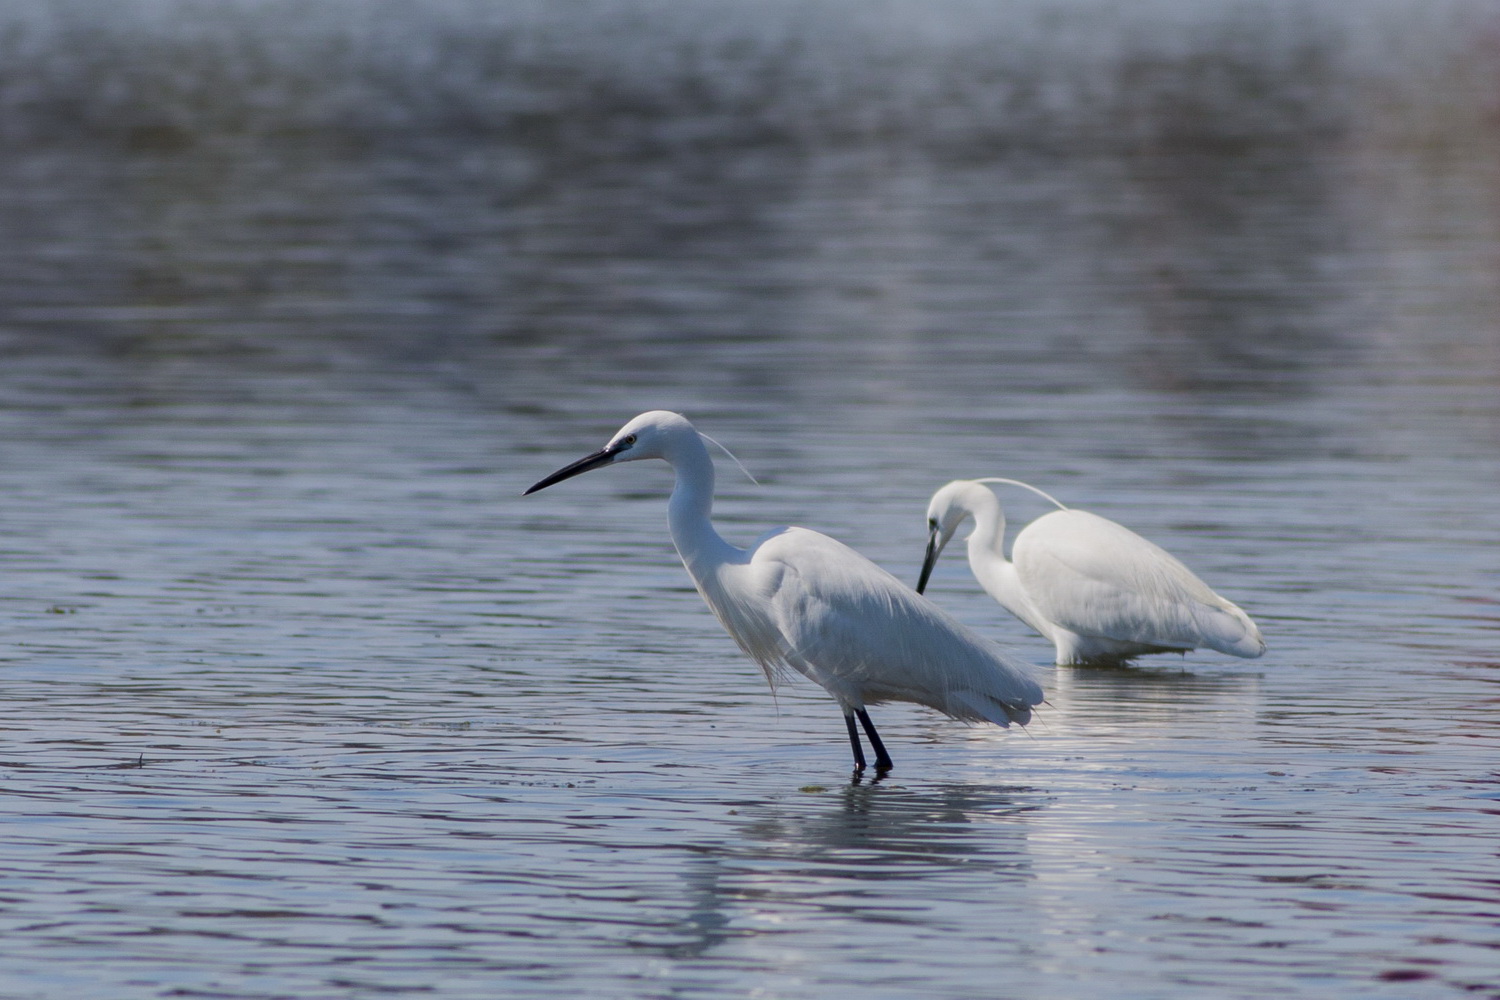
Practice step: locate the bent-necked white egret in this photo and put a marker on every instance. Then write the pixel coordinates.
(1098, 590)
(799, 599)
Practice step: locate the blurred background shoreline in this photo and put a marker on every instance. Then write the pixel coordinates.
(495, 184)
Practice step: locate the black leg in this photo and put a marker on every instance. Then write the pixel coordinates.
(882, 759)
(859, 754)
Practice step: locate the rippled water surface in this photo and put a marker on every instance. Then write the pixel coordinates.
(301, 699)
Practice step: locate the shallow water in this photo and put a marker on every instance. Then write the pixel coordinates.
(303, 700)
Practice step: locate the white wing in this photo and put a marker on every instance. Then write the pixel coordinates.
(1098, 578)
(868, 638)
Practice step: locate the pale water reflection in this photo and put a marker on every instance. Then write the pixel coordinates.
(303, 700)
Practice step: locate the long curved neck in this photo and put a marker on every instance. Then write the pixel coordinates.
(995, 573)
(987, 540)
(688, 512)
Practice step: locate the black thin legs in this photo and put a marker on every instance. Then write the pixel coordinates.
(859, 753)
(882, 759)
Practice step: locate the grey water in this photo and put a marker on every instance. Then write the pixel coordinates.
(302, 699)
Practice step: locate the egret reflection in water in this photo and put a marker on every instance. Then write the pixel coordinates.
(874, 830)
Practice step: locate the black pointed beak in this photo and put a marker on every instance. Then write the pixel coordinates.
(585, 464)
(930, 560)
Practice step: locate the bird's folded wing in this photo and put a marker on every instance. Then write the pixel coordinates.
(1097, 578)
(854, 627)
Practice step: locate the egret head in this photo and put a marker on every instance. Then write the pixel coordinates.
(649, 435)
(947, 510)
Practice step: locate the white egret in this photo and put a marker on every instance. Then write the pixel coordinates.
(1096, 589)
(801, 600)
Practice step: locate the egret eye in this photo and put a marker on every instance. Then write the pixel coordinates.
(628, 439)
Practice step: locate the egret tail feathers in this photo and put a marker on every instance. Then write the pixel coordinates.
(973, 706)
(1229, 630)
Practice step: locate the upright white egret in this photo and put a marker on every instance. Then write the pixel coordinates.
(799, 599)
(1098, 590)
